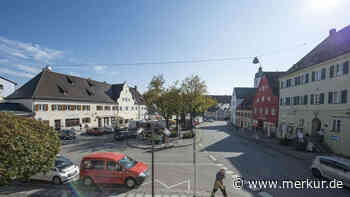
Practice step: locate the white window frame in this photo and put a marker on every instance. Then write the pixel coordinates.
(273, 111)
(336, 125)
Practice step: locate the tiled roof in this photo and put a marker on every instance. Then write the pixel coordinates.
(272, 78)
(8, 80)
(49, 85)
(138, 98)
(16, 108)
(222, 98)
(336, 44)
(247, 102)
(241, 92)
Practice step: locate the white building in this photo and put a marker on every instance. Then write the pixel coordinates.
(238, 95)
(65, 101)
(7, 87)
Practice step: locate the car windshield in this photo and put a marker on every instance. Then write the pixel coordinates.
(127, 162)
(62, 162)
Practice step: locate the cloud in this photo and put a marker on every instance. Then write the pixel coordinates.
(99, 68)
(17, 49)
(30, 69)
(16, 73)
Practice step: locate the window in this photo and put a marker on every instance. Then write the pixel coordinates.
(266, 111)
(1, 87)
(289, 82)
(312, 99)
(86, 107)
(339, 70)
(336, 125)
(90, 83)
(306, 77)
(282, 84)
(281, 100)
(257, 100)
(72, 122)
(254, 110)
(269, 98)
(323, 74)
(97, 164)
(288, 101)
(344, 96)
(346, 67)
(113, 166)
(70, 80)
(61, 90)
(78, 107)
(273, 111)
(126, 108)
(41, 107)
(99, 108)
(321, 98)
(263, 88)
(54, 107)
(262, 99)
(107, 108)
(331, 71)
(261, 110)
(305, 99)
(336, 97)
(121, 108)
(86, 120)
(313, 76)
(88, 92)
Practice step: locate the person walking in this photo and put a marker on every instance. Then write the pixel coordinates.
(219, 184)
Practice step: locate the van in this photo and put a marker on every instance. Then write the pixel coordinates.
(112, 168)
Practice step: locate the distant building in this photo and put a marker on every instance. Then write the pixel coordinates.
(265, 102)
(7, 87)
(244, 114)
(238, 95)
(314, 93)
(64, 101)
(222, 109)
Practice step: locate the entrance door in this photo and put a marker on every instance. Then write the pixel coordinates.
(58, 124)
(316, 125)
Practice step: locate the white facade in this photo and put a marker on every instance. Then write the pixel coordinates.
(235, 102)
(6, 87)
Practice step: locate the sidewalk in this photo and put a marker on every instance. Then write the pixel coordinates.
(273, 143)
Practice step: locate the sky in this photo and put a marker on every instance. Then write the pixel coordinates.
(97, 39)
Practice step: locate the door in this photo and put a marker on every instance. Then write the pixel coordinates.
(94, 169)
(58, 124)
(115, 173)
(316, 125)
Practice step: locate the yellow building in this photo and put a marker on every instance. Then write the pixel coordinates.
(314, 93)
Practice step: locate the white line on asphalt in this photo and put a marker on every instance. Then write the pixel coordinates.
(219, 164)
(180, 164)
(229, 172)
(264, 194)
(212, 157)
(224, 168)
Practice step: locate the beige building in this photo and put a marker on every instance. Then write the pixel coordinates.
(65, 101)
(314, 93)
(244, 112)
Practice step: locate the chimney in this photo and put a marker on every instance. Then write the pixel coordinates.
(332, 32)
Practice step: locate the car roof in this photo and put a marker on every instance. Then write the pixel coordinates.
(105, 155)
(338, 159)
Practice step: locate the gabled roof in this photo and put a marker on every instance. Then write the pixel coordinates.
(336, 44)
(138, 98)
(247, 102)
(49, 85)
(222, 98)
(272, 78)
(16, 108)
(117, 89)
(8, 80)
(242, 92)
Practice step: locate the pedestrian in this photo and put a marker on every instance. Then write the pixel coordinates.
(300, 135)
(219, 184)
(321, 134)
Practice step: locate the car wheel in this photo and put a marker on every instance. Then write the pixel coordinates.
(130, 182)
(316, 173)
(56, 180)
(88, 181)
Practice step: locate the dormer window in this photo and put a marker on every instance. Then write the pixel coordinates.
(90, 83)
(70, 81)
(61, 90)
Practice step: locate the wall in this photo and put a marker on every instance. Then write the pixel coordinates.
(8, 88)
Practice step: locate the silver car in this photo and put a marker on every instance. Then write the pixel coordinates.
(332, 168)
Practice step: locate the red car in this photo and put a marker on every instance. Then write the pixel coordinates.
(112, 168)
(95, 131)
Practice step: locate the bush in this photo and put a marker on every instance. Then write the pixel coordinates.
(27, 147)
(188, 135)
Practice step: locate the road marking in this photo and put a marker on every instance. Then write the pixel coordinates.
(212, 157)
(229, 172)
(264, 194)
(219, 164)
(224, 168)
(180, 164)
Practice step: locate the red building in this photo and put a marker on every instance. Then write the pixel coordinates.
(265, 102)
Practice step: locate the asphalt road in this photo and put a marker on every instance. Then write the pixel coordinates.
(174, 170)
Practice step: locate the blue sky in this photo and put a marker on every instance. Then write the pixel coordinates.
(36, 33)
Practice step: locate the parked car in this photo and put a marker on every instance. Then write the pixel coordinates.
(112, 168)
(67, 134)
(64, 171)
(108, 129)
(332, 168)
(95, 131)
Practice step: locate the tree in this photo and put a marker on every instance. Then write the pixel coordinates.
(27, 147)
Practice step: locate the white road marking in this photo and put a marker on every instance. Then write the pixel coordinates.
(229, 172)
(264, 194)
(224, 168)
(212, 157)
(219, 164)
(181, 164)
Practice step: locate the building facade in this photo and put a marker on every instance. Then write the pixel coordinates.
(238, 95)
(64, 101)
(7, 87)
(222, 109)
(314, 93)
(244, 113)
(265, 102)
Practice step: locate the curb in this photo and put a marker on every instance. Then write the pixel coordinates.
(287, 153)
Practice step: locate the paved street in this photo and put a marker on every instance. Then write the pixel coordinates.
(174, 167)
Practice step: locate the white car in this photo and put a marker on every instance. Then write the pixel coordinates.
(64, 171)
(332, 168)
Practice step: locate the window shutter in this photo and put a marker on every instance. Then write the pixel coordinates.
(330, 98)
(331, 71)
(344, 96)
(346, 67)
(313, 76)
(323, 74)
(46, 107)
(52, 107)
(312, 99)
(322, 98)
(36, 107)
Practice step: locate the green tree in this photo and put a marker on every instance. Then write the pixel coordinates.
(27, 147)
